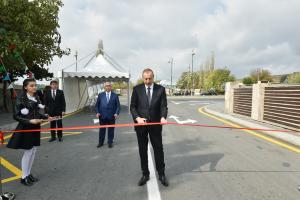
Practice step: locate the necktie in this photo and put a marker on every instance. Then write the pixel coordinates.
(149, 95)
(107, 97)
(53, 94)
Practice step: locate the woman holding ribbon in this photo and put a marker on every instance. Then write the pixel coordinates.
(27, 114)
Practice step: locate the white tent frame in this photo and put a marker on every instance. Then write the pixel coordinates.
(80, 82)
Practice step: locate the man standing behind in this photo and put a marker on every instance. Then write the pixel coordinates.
(149, 104)
(56, 107)
(108, 110)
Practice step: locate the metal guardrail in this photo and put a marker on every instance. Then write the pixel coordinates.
(242, 101)
(282, 105)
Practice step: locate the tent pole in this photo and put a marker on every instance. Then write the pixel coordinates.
(128, 95)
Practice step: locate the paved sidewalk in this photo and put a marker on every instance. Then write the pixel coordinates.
(218, 110)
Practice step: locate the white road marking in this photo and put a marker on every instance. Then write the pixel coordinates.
(175, 102)
(191, 102)
(152, 186)
(182, 122)
(200, 103)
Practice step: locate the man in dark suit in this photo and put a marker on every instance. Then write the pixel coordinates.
(149, 104)
(108, 110)
(55, 107)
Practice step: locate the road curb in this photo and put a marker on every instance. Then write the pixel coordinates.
(287, 137)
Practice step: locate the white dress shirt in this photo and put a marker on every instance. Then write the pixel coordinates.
(52, 93)
(151, 89)
(109, 94)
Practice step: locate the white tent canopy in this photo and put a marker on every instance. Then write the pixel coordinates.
(81, 87)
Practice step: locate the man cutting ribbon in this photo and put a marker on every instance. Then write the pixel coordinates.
(149, 104)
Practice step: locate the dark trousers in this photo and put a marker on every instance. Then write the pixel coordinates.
(56, 124)
(155, 135)
(111, 131)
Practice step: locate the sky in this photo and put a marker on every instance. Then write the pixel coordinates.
(243, 34)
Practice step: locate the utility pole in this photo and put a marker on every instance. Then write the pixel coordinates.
(193, 86)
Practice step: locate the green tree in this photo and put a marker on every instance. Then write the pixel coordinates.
(139, 81)
(294, 78)
(216, 80)
(261, 74)
(184, 81)
(119, 85)
(284, 78)
(29, 35)
(248, 81)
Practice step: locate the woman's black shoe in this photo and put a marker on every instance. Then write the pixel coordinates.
(32, 178)
(26, 181)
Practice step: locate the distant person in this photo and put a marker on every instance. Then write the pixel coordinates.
(149, 104)
(108, 110)
(56, 107)
(28, 115)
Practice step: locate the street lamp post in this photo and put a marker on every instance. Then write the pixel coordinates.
(193, 86)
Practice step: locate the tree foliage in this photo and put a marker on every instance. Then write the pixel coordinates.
(205, 80)
(216, 80)
(294, 78)
(29, 35)
(261, 74)
(248, 80)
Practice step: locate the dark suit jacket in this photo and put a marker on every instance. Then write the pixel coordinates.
(139, 106)
(26, 140)
(55, 107)
(107, 110)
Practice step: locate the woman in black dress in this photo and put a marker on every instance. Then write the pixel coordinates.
(27, 114)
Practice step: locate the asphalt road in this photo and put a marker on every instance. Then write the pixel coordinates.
(201, 163)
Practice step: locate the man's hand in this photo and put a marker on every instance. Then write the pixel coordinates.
(50, 119)
(98, 115)
(141, 120)
(116, 116)
(35, 121)
(63, 113)
(163, 120)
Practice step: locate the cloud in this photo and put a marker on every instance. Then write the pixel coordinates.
(251, 34)
(244, 34)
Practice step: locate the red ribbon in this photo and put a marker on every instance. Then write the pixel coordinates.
(145, 124)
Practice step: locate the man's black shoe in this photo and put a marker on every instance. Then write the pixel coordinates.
(99, 145)
(110, 145)
(143, 180)
(163, 179)
(60, 139)
(52, 139)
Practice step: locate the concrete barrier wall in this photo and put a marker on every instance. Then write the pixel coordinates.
(279, 104)
(282, 105)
